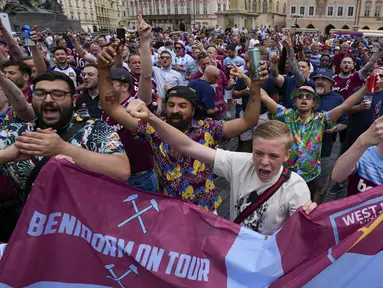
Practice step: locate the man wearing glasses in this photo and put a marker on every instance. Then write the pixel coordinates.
(92, 144)
(308, 126)
(182, 59)
(88, 102)
(164, 76)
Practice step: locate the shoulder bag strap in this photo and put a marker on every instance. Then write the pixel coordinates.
(257, 200)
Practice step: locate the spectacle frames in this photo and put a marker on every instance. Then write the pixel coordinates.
(177, 48)
(41, 94)
(307, 96)
(165, 57)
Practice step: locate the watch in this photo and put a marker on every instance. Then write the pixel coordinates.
(335, 129)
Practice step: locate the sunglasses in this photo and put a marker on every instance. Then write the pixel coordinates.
(165, 57)
(178, 47)
(307, 96)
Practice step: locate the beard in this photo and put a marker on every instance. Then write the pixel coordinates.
(319, 90)
(65, 116)
(180, 123)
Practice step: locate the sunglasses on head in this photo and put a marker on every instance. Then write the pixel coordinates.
(165, 57)
(307, 96)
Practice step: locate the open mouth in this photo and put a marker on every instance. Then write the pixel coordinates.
(50, 113)
(264, 174)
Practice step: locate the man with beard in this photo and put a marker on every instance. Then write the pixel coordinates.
(179, 176)
(60, 56)
(28, 146)
(88, 102)
(19, 73)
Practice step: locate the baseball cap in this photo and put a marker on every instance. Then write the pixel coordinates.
(323, 74)
(183, 92)
(298, 91)
(337, 47)
(120, 74)
(306, 50)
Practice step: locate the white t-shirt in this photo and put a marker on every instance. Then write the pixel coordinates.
(253, 42)
(239, 170)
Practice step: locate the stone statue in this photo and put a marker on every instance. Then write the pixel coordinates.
(14, 6)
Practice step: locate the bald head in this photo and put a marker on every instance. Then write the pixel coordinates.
(211, 74)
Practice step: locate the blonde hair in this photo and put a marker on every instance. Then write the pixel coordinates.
(273, 129)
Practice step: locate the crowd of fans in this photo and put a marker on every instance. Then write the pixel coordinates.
(157, 110)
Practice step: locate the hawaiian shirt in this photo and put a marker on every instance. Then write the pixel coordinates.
(180, 175)
(6, 117)
(96, 136)
(307, 143)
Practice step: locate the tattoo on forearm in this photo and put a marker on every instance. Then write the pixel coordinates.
(299, 77)
(371, 62)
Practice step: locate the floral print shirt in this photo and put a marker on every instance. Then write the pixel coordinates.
(181, 176)
(95, 136)
(307, 143)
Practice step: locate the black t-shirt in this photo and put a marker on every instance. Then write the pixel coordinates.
(93, 105)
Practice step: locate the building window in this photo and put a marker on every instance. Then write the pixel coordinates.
(293, 10)
(70, 3)
(175, 8)
(205, 8)
(330, 11)
(71, 15)
(367, 10)
(78, 15)
(188, 8)
(350, 11)
(168, 8)
(378, 7)
(311, 10)
(339, 12)
(158, 8)
(77, 4)
(224, 7)
(182, 8)
(284, 8)
(197, 5)
(264, 6)
(162, 8)
(255, 6)
(86, 16)
(277, 9)
(219, 7)
(302, 10)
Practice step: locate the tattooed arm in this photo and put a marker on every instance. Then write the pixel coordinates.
(277, 78)
(370, 64)
(17, 99)
(110, 101)
(298, 75)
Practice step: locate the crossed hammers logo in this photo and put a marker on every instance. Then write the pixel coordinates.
(132, 198)
(132, 268)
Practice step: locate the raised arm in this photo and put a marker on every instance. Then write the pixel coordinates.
(172, 136)
(371, 62)
(347, 105)
(346, 164)
(13, 47)
(270, 104)
(145, 83)
(16, 99)
(250, 119)
(83, 54)
(298, 75)
(277, 78)
(37, 56)
(109, 99)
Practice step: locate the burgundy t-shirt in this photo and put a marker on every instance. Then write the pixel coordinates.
(139, 151)
(336, 61)
(345, 86)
